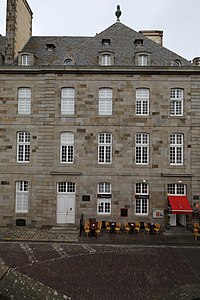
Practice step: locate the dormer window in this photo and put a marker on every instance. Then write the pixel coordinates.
(176, 63)
(106, 60)
(25, 60)
(138, 42)
(106, 42)
(69, 62)
(142, 60)
(50, 47)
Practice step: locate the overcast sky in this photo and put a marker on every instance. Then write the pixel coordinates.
(179, 19)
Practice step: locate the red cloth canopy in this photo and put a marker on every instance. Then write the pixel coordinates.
(180, 205)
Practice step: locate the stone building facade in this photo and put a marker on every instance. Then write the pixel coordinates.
(104, 127)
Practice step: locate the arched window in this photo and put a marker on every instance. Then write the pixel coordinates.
(68, 62)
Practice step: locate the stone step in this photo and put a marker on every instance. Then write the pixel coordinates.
(68, 229)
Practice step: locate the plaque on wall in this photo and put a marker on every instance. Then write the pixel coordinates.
(124, 212)
(85, 197)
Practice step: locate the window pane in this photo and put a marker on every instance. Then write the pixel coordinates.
(67, 101)
(105, 101)
(24, 101)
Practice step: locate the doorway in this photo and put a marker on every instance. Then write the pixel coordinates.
(65, 209)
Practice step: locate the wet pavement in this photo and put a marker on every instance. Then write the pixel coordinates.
(38, 264)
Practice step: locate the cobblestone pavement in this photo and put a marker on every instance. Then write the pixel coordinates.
(117, 267)
(100, 271)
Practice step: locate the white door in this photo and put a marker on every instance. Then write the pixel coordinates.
(172, 220)
(65, 209)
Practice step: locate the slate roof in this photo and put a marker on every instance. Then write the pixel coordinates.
(84, 51)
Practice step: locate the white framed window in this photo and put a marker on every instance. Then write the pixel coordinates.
(176, 149)
(67, 147)
(105, 148)
(104, 188)
(105, 101)
(176, 189)
(142, 60)
(67, 101)
(66, 187)
(106, 60)
(24, 101)
(142, 101)
(142, 148)
(23, 147)
(25, 60)
(104, 198)
(141, 198)
(21, 196)
(176, 102)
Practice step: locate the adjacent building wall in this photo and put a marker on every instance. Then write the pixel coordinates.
(18, 27)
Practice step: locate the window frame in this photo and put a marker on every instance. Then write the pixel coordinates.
(104, 198)
(142, 102)
(68, 101)
(25, 59)
(105, 148)
(67, 147)
(106, 59)
(142, 198)
(66, 187)
(105, 101)
(142, 60)
(176, 150)
(142, 148)
(176, 102)
(22, 195)
(176, 189)
(24, 95)
(23, 147)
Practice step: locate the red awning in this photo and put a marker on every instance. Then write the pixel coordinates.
(180, 205)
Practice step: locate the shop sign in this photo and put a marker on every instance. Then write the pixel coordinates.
(104, 196)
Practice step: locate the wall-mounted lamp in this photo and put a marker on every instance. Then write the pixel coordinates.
(143, 180)
(180, 181)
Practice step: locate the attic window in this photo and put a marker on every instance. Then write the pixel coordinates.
(68, 62)
(138, 42)
(25, 60)
(50, 47)
(176, 63)
(106, 42)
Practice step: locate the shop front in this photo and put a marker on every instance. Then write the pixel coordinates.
(178, 209)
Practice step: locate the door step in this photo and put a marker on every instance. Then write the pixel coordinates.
(66, 229)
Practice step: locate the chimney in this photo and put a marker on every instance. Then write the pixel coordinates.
(154, 35)
(18, 27)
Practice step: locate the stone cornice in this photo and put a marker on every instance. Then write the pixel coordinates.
(190, 70)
